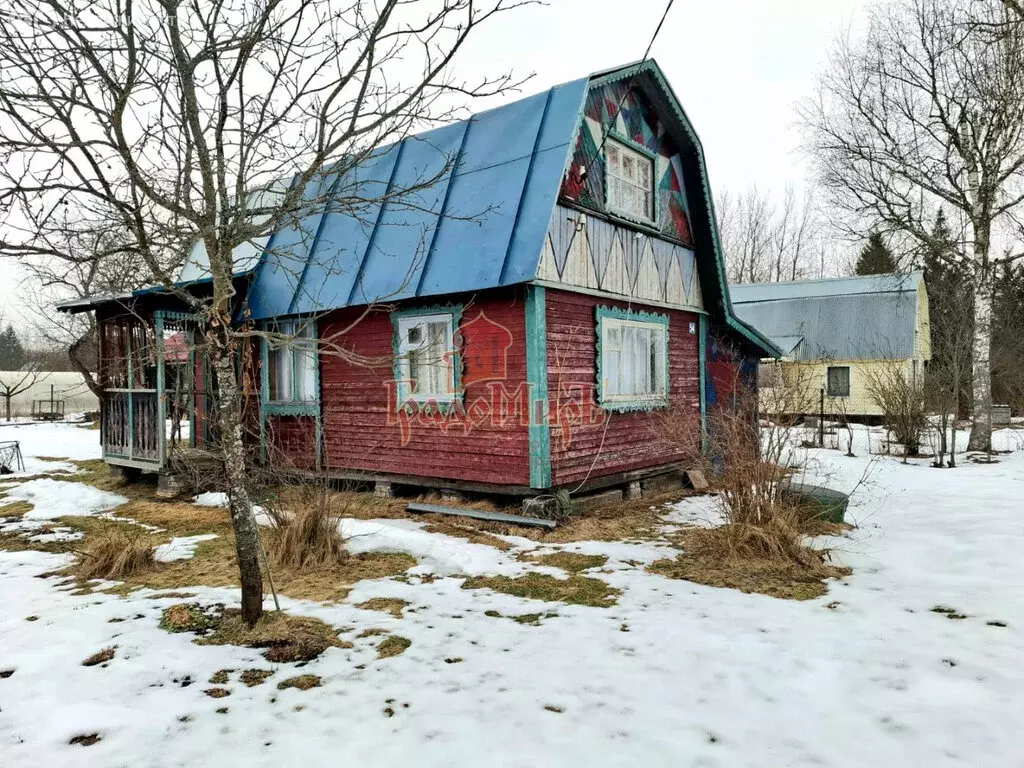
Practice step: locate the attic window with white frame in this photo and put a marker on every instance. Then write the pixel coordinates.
(629, 181)
(633, 350)
(292, 361)
(425, 367)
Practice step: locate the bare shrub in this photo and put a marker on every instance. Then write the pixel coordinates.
(901, 397)
(308, 535)
(116, 555)
(749, 462)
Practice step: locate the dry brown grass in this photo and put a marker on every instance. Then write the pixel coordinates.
(468, 532)
(770, 560)
(392, 605)
(253, 677)
(100, 657)
(15, 509)
(392, 645)
(576, 590)
(302, 682)
(115, 556)
(285, 638)
(310, 536)
(573, 562)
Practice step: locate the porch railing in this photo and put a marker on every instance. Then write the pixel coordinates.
(132, 425)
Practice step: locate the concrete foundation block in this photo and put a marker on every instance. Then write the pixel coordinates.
(697, 480)
(652, 486)
(168, 486)
(383, 490)
(544, 507)
(449, 496)
(584, 504)
(634, 491)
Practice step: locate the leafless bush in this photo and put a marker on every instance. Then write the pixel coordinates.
(748, 463)
(901, 398)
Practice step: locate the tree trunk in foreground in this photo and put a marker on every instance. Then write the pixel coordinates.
(243, 520)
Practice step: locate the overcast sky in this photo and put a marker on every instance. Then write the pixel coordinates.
(737, 65)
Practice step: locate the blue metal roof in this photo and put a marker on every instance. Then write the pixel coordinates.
(481, 225)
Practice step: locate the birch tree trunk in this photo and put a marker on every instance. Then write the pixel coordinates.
(981, 380)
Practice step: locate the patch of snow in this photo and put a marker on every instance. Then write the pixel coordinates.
(180, 548)
(211, 499)
(436, 553)
(58, 498)
(63, 440)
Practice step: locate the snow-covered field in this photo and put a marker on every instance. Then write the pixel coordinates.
(675, 674)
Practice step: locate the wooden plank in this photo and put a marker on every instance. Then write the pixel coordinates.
(500, 517)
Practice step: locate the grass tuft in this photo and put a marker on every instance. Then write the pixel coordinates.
(573, 562)
(116, 555)
(392, 605)
(100, 657)
(187, 617)
(217, 693)
(302, 682)
(576, 590)
(393, 645)
(309, 536)
(285, 638)
(220, 677)
(253, 677)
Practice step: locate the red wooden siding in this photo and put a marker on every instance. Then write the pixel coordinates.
(629, 440)
(291, 441)
(362, 430)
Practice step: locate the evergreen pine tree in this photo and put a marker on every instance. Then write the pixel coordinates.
(1008, 336)
(948, 279)
(876, 258)
(12, 354)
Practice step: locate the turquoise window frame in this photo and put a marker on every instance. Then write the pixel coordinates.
(604, 313)
(443, 404)
(288, 407)
(309, 408)
(640, 149)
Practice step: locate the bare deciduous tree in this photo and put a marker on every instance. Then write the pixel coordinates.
(927, 110)
(177, 122)
(765, 241)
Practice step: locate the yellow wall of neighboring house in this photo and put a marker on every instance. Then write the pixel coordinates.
(804, 380)
(803, 383)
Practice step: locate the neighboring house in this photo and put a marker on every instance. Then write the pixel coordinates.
(839, 333)
(560, 282)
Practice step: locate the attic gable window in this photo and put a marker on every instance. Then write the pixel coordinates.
(629, 182)
(425, 360)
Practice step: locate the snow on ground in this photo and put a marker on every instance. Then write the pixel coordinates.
(59, 498)
(675, 674)
(181, 547)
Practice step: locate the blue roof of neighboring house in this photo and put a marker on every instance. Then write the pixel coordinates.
(480, 224)
(850, 318)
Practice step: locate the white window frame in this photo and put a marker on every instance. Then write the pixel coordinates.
(611, 394)
(297, 354)
(403, 366)
(618, 183)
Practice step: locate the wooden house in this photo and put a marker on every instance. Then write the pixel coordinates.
(839, 335)
(510, 328)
